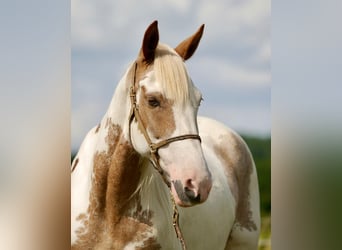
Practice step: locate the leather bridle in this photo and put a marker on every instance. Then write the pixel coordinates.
(154, 147)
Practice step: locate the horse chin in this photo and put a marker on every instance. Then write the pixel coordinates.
(185, 204)
(182, 202)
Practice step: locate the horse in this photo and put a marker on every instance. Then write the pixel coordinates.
(155, 175)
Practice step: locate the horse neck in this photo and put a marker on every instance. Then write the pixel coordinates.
(132, 180)
(126, 185)
(116, 164)
(124, 193)
(120, 105)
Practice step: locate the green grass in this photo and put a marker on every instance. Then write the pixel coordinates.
(261, 151)
(265, 234)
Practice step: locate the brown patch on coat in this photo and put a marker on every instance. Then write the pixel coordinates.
(238, 163)
(129, 230)
(228, 242)
(150, 244)
(138, 72)
(98, 128)
(145, 216)
(74, 165)
(81, 217)
(108, 122)
(158, 120)
(115, 178)
(142, 69)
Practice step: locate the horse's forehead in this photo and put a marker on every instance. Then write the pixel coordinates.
(150, 83)
(144, 73)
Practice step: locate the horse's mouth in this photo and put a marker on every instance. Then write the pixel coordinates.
(184, 197)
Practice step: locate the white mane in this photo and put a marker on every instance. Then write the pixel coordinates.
(171, 72)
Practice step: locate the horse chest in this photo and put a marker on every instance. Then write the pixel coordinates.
(142, 227)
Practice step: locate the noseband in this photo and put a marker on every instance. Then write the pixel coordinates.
(154, 147)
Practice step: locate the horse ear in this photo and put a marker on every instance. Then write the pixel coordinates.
(150, 42)
(187, 48)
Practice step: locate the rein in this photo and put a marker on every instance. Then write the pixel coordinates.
(154, 147)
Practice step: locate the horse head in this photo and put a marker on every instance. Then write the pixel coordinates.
(163, 124)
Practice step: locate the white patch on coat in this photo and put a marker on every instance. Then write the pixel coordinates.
(140, 244)
(81, 182)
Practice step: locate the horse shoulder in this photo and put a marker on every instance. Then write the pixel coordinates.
(239, 168)
(82, 174)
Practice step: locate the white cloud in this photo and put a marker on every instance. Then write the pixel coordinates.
(83, 120)
(180, 5)
(96, 24)
(227, 73)
(263, 53)
(248, 120)
(239, 20)
(102, 22)
(234, 51)
(84, 28)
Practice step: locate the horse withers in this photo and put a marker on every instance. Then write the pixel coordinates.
(154, 175)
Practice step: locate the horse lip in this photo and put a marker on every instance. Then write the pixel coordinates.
(184, 199)
(187, 203)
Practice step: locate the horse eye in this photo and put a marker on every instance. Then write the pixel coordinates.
(201, 100)
(153, 102)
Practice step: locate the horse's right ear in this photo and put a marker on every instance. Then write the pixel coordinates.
(187, 48)
(150, 42)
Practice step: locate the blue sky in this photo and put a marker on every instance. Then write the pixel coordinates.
(231, 66)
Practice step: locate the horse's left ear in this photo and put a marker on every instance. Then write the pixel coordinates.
(187, 48)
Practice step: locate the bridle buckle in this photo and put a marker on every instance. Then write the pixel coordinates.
(153, 148)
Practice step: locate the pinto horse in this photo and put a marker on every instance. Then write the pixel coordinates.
(151, 159)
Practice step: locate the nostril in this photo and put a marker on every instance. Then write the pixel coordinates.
(189, 192)
(192, 195)
(189, 184)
